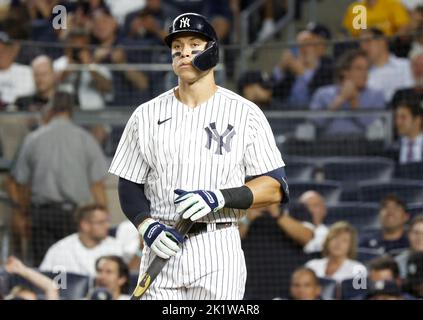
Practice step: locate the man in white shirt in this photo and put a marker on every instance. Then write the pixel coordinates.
(15, 79)
(409, 125)
(78, 252)
(388, 73)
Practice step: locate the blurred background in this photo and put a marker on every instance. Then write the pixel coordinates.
(345, 105)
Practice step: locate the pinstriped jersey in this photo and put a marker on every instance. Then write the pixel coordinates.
(167, 145)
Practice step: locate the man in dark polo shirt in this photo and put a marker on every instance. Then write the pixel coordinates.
(392, 238)
(60, 166)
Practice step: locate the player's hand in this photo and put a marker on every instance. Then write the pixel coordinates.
(198, 203)
(163, 240)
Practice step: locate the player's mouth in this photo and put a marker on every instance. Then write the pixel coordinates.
(186, 64)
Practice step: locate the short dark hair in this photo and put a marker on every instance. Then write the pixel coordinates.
(85, 212)
(394, 198)
(412, 104)
(417, 219)
(61, 102)
(123, 270)
(346, 60)
(309, 271)
(384, 263)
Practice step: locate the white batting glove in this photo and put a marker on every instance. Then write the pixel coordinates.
(162, 239)
(198, 203)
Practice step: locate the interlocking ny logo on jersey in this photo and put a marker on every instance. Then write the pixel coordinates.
(213, 135)
(184, 23)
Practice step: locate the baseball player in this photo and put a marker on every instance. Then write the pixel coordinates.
(188, 152)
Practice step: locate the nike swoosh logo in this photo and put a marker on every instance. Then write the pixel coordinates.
(160, 122)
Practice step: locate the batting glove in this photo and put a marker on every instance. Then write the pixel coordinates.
(163, 240)
(198, 203)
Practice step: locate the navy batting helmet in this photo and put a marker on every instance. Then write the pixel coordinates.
(196, 23)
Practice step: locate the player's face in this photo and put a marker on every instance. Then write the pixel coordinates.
(184, 49)
(107, 276)
(416, 237)
(392, 216)
(339, 246)
(303, 287)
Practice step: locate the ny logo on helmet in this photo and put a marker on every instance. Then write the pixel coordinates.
(184, 23)
(213, 135)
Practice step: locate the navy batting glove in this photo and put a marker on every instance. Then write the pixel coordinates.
(162, 239)
(198, 203)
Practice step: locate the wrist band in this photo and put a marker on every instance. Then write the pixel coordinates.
(238, 198)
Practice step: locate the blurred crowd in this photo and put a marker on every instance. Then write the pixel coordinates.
(59, 167)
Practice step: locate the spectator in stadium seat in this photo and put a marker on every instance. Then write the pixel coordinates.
(297, 77)
(409, 127)
(92, 85)
(59, 167)
(78, 252)
(349, 93)
(316, 206)
(415, 237)
(339, 252)
(151, 21)
(15, 79)
(304, 285)
(128, 85)
(46, 285)
(414, 93)
(112, 273)
(256, 86)
(387, 73)
(392, 238)
(45, 85)
(388, 15)
(384, 268)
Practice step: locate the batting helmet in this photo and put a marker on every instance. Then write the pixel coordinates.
(196, 23)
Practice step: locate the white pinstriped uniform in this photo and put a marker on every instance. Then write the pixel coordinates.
(212, 146)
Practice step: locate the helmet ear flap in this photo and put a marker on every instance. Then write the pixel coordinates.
(208, 58)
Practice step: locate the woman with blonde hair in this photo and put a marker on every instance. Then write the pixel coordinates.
(339, 253)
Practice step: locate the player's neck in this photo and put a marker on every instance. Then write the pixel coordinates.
(193, 94)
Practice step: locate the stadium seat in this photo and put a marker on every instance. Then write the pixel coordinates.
(348, 292)
(77, 286)
(412, 171)
(415, 209)
(352, 170)
(299, 168)
(329, 288)
(408, 190)
(364, 255)
(360, 215)
(330, 190)
(5, 165)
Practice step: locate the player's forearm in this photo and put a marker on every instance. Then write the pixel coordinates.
(266, 191)
(133, 201)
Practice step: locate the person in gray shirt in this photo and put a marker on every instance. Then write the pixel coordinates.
(59, 167)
